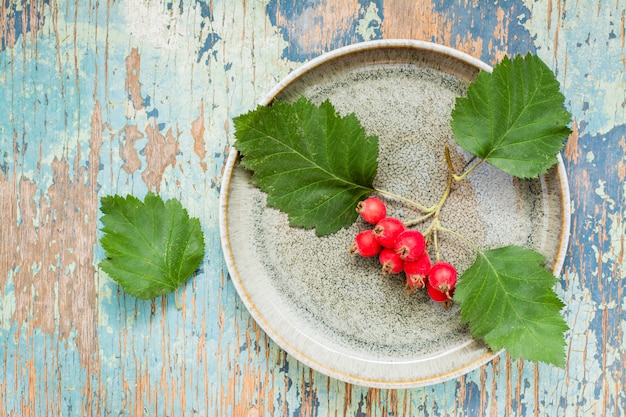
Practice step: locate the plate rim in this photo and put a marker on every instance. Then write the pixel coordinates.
(227, 176)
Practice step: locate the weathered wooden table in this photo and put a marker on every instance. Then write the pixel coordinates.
(98, 98)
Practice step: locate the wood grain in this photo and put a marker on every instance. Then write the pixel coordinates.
(127, 96)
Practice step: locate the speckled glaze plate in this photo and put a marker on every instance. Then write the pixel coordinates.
(335, 312)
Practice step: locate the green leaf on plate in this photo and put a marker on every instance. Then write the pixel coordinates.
(508, 300)
(151, 247)
(514, 118)
(314, 164)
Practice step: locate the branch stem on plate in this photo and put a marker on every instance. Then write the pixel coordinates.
(434, 212)
(461, 177)
(415, 204)
(460, 237)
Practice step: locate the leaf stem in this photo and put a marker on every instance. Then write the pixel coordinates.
(406, 200)
(435, 226)
(436, 241)
(460, 237)
(468, 171)
(435, 210)
(446, 192)
(419, 219)
(176, 301)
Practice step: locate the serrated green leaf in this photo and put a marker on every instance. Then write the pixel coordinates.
(313, 164)
(508, 300)
(514, 118)
(151, 247)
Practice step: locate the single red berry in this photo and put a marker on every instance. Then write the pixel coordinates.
(372, 210)
(391, 262)
(417, 271)
(442, 277)
(410, 245)
(438, 296)
(365, 244)
(387, 230)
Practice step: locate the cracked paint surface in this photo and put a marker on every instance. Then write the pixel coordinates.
(134, 96)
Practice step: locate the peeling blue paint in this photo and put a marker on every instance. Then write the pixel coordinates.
(472, 399)
(15, 15)
(32, 134)
(359, 410)
(609, 149)
(65, 383)
(481, 23)
(142, 342)
(209, 43)
(153, 113)
(205, 9)
(294, 11)
(604, 200)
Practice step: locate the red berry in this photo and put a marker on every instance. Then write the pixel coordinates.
(417, 271)
(391, 262)
(372, 210)
(410, 245)
(442, 277)
(438, 296)
(365, 244)
(387, 230)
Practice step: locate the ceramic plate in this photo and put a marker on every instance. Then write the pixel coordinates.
(335, 312)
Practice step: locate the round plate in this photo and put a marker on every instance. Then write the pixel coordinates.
(336, 312)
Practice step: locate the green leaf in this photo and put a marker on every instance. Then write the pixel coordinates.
(152, 247)
(507, 298)
(514, 118)
(313, 164)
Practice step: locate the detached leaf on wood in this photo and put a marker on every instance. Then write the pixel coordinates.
(151, 247)
(507, 298)
(514, 117)
(313, 164)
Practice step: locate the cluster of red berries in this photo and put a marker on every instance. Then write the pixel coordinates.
(400, 249)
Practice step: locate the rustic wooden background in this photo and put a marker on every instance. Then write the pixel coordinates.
(103, 97)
